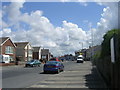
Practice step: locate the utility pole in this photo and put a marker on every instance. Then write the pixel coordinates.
(91, 41)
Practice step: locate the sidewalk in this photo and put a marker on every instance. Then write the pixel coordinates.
(6, 64)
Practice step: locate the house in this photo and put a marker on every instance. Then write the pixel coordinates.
(24, 51)
(37, 53)
(7, 48)
(45, 54)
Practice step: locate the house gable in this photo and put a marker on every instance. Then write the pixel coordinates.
(8, 48)
(28, 46)
(36, 49)
(8, 41)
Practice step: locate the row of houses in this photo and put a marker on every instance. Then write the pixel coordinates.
(22, 51)
(89, 53)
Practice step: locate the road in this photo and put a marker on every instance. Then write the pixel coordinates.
(75, 75)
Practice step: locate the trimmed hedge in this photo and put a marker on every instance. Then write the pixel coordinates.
(109, 71)
(106, 42)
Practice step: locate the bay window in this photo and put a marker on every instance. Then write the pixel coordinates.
(9, 50)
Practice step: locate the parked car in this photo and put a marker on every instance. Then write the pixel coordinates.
(33, 63)
(53, 66)
(80, 59)
(54, 59)
(4, 59)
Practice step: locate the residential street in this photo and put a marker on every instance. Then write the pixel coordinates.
(75, 75)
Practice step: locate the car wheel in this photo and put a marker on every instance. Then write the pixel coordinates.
(45, 71)
(38, 65)
(63, 69)
(32, 65)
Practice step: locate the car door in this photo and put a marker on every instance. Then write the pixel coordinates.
(38, 62)
(62, 66)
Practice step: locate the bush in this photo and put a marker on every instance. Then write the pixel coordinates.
(106, 42)
(103, 59)
(96, 57)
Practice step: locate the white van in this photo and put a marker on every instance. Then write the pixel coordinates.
(4, 58)
(80, 59)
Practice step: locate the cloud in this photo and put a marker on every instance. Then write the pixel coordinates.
(13, 12)
(39, 31)
(0, 19)
(59, 40)
(2, 23)
(6, 32)
(89, 1)
(108, 21)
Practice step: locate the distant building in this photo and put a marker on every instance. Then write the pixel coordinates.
(45, 54)
(92, 51)
(83, 52)
(69, 57)
(24, 51)
(7, 47)
(77, 53)
(37, 53)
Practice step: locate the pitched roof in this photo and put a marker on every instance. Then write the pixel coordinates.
(44, 51)
(36, 49)
(4, 39)
(21, 44)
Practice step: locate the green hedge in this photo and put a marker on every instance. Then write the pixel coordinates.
(103, 58)
(106, 42)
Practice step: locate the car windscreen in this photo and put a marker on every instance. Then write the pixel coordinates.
(31, 61)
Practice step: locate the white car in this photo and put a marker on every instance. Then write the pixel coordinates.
(80, 59)
(4, 59)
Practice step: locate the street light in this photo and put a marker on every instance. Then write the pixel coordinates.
(92, 40)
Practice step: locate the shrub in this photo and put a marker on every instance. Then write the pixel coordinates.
(106, 42)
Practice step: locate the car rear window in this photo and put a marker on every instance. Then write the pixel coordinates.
(80, 58)
(51, 62)
(53, 59)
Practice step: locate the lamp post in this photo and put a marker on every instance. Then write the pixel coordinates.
(92, 42)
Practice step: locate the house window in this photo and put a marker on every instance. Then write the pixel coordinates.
(30, 52)
(44, 57)
(9, 50)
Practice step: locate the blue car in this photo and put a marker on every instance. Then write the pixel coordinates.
(53, 66)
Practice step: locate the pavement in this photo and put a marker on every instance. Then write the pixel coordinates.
(78, 76)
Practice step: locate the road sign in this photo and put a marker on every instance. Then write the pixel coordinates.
(112, 50)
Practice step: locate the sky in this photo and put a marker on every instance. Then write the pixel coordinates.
(57, 12)
(60, 26)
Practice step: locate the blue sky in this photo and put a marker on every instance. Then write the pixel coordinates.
(61, 26)
(73, 12)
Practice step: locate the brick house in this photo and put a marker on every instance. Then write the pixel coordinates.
(24, 51)
(7, 47)
(37, 53)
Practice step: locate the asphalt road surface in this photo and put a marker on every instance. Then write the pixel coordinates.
(75, 75)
